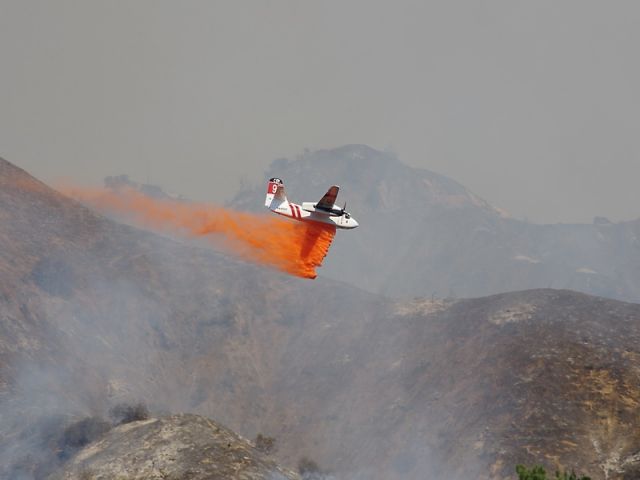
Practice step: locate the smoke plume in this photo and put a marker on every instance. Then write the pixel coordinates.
(292, 247)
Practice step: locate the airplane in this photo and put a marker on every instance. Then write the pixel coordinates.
(323, 211)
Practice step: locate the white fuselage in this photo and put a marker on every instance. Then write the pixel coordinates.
(308, 213)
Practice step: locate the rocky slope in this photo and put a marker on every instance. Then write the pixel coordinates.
(424, 234)
(176, 447)
(93, 313)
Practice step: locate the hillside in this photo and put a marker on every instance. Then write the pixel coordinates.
(424, 234)
(436, 389)
(93, 313)
(180, 446)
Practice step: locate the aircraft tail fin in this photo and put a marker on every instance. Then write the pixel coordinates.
(275, 193)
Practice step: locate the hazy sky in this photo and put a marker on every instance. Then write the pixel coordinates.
(532, 105)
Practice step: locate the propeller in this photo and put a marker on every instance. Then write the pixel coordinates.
(346, 214)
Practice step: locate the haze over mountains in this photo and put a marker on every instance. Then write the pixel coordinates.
(424, 234)
(93, 312)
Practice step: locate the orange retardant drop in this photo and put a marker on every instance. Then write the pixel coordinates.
(293, 247)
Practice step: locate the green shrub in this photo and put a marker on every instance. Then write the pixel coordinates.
(538, 473)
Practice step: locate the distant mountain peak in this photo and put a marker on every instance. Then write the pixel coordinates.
(360, 151)
(370, 179)
(424, 233)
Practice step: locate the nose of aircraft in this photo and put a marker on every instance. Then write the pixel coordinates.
(354, 223)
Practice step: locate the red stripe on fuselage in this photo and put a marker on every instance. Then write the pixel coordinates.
(296, 212)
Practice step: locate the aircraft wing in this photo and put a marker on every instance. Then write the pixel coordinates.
(326, 202)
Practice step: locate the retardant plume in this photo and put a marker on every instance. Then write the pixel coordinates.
(293, 247)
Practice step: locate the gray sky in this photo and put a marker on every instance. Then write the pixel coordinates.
(532, 105)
